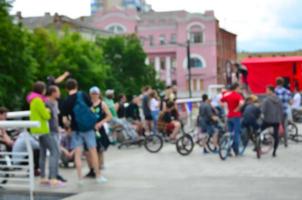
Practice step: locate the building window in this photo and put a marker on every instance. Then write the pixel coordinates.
(173, 63)
(196, 62)
(173, 39)
(196, 34)
(162, 40)
(201, 84)
(116, 28)
(162, 64)
(151, 40)
(142, 40)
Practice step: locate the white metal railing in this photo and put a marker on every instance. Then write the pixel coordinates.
(14, 174)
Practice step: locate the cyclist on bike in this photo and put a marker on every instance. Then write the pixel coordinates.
(234, 101)
(167, 122)
(208, 120)
(251, 114)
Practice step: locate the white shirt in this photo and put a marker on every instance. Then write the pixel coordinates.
(154, 105)
(216, 100)
(296, 101)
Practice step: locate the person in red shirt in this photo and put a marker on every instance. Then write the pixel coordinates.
(234, 101)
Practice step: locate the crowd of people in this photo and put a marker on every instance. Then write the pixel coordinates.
(83, 124)
(274, 110)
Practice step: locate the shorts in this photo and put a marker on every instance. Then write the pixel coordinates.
(148, 117)
(80, 139)
(170, 127)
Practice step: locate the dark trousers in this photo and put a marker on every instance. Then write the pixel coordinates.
(276, 132)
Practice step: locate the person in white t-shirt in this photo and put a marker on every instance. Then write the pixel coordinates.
(154, 107)
(296, 102)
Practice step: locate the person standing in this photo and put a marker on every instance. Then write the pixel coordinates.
(82, 121)
(273, 113)
(53, 94)
(234, 101)
(154, 107)
(146, 108)
(103, 115)
(39, 112)
(284, 96)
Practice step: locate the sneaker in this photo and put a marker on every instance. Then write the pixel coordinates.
(61, 178)
(101, 180)
(90, 174)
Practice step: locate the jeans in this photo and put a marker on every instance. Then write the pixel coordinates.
(155, 115)
(276, 132)
(234, 128)
(48, 142)
(285, 124)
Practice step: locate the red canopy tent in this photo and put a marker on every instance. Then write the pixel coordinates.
(264, 71)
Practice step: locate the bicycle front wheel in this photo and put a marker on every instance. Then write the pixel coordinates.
(224, 147)
(185, 145)
(153, 143)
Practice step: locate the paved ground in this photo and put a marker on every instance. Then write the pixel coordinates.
(136, 174)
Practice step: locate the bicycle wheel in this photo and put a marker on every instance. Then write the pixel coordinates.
(298, 138)
(153, 143)
(224, 147)
(267, 142)
(185, 145)
(292, 131)
(210, 145)
(244, 140)
(258, 147)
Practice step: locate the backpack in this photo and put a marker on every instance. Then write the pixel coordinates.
(84, 117)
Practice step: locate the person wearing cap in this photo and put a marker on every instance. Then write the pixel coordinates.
(110, 102)
(103, 115)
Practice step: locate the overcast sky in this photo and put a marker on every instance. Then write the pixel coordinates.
(261, 25)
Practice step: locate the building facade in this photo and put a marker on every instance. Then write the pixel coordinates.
(164, 37)
(59, 23)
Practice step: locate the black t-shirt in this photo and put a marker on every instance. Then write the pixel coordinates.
(68, 108)
(121, 112)
(99, 112)
(167, 117)
(132, 112)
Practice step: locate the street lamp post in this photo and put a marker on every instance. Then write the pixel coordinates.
(189, 68)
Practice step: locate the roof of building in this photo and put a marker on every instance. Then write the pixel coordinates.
(174, 15)
(48, 20)
(273, 59)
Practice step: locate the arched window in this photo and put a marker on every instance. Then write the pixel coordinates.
(196, 34)
(116, 28)
(196, 62)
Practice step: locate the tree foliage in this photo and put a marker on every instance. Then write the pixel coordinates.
(27, 56)
(17, 65)
(128, 72)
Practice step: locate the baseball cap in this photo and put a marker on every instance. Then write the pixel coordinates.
(109, 92)
(94, 90)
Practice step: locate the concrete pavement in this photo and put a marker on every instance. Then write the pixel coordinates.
(136, 174)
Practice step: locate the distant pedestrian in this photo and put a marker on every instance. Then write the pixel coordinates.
(273, 113)
(285, 97)
(234, 102)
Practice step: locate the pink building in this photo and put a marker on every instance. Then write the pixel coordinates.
(162, 34)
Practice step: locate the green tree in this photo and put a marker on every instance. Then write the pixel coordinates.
(16, 63)
(126, 58)
(56, 53)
